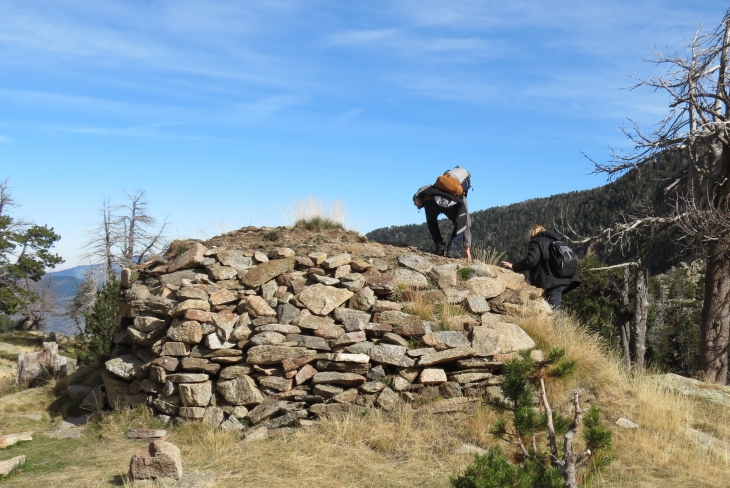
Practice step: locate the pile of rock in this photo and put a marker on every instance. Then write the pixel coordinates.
(275, 338)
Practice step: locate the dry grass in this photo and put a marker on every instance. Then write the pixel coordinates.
(488, 255)
(420, 307)
(448, 312)
(314, 214)
(660, 452)
(404, 448)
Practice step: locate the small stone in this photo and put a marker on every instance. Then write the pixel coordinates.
(293, 364)
(500, 338)
(190, 258)
(232, 423)
(455, 296)
(196, 394)
(281, 253)
(241, 390)
(351, 358)
(372, 386)
(416, 262)
(387, 399)
(414, 353)
(222, 297)
(189, 332)
(327, 391)
(447, 339)
(386, 306)
(6, 467)
(322, 300)
(212, 341)
(626, 423)
(12, 439)
(360, 347)
(181, 307)
(391, 338)
(477, 304)
(335, 261)
(411, 279)
(399, 383)
(363, 300)
(162, 460)
(256, 306)
(330, 331)
(466, 378)
(267, 271)
(334, 378)
(347, 396)
(256, 434)
(275, 354)
(444, 275)
(261, 257)
(304, 374)
(126, 367)
(146, 433)
(446, 356)
(485, 287)
(267, 339)
(389, 354)
(317, 257)
(276, 383)
(286, 312)
(432, 376)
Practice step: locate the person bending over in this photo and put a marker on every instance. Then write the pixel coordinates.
(436, 202)
(538, 262)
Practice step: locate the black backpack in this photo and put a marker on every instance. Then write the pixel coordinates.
(563, 260)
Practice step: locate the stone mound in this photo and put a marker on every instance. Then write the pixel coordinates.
(241, 330)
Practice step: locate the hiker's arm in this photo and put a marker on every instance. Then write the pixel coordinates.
(531, 260)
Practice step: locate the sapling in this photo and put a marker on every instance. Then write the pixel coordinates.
(524, 389)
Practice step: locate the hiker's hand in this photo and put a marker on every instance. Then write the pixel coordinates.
(507, 264)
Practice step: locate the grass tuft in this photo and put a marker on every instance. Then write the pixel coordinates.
(312, 214)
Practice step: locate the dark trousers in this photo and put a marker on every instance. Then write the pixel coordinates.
(456, 214)
(554, 296)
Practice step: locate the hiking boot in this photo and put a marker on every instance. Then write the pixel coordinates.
(438, 249)
(453, 252)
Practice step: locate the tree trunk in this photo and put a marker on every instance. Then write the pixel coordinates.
(641, 311)
(716, 314)
(625, 327)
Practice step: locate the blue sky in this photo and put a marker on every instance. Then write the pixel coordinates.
(226, 112)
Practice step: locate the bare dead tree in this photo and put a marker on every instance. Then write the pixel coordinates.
(102, 239)
(136, 238)
(125, 233)
(695, 129)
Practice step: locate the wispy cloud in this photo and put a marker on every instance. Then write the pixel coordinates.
(6, 139)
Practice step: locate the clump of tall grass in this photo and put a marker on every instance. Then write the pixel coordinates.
(488, 255)
(314, 214)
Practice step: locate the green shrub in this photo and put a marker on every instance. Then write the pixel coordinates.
(272, 236)
(536, 466)
(463, 273)
(101, 323)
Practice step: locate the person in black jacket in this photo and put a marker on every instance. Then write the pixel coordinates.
(537, 261)
(436, 202)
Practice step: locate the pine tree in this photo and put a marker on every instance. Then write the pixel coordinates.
(101, 322)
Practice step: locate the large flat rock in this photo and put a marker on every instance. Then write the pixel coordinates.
(264, 272)
(321, 299)
(500, 338)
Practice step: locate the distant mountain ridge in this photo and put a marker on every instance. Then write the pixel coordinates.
(63, 285)
(505, 228)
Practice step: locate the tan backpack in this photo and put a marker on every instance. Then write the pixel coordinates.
(455, 181)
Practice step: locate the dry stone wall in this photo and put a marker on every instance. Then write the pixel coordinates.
(272, 339)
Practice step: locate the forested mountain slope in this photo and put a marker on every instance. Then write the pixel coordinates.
(505, 228)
